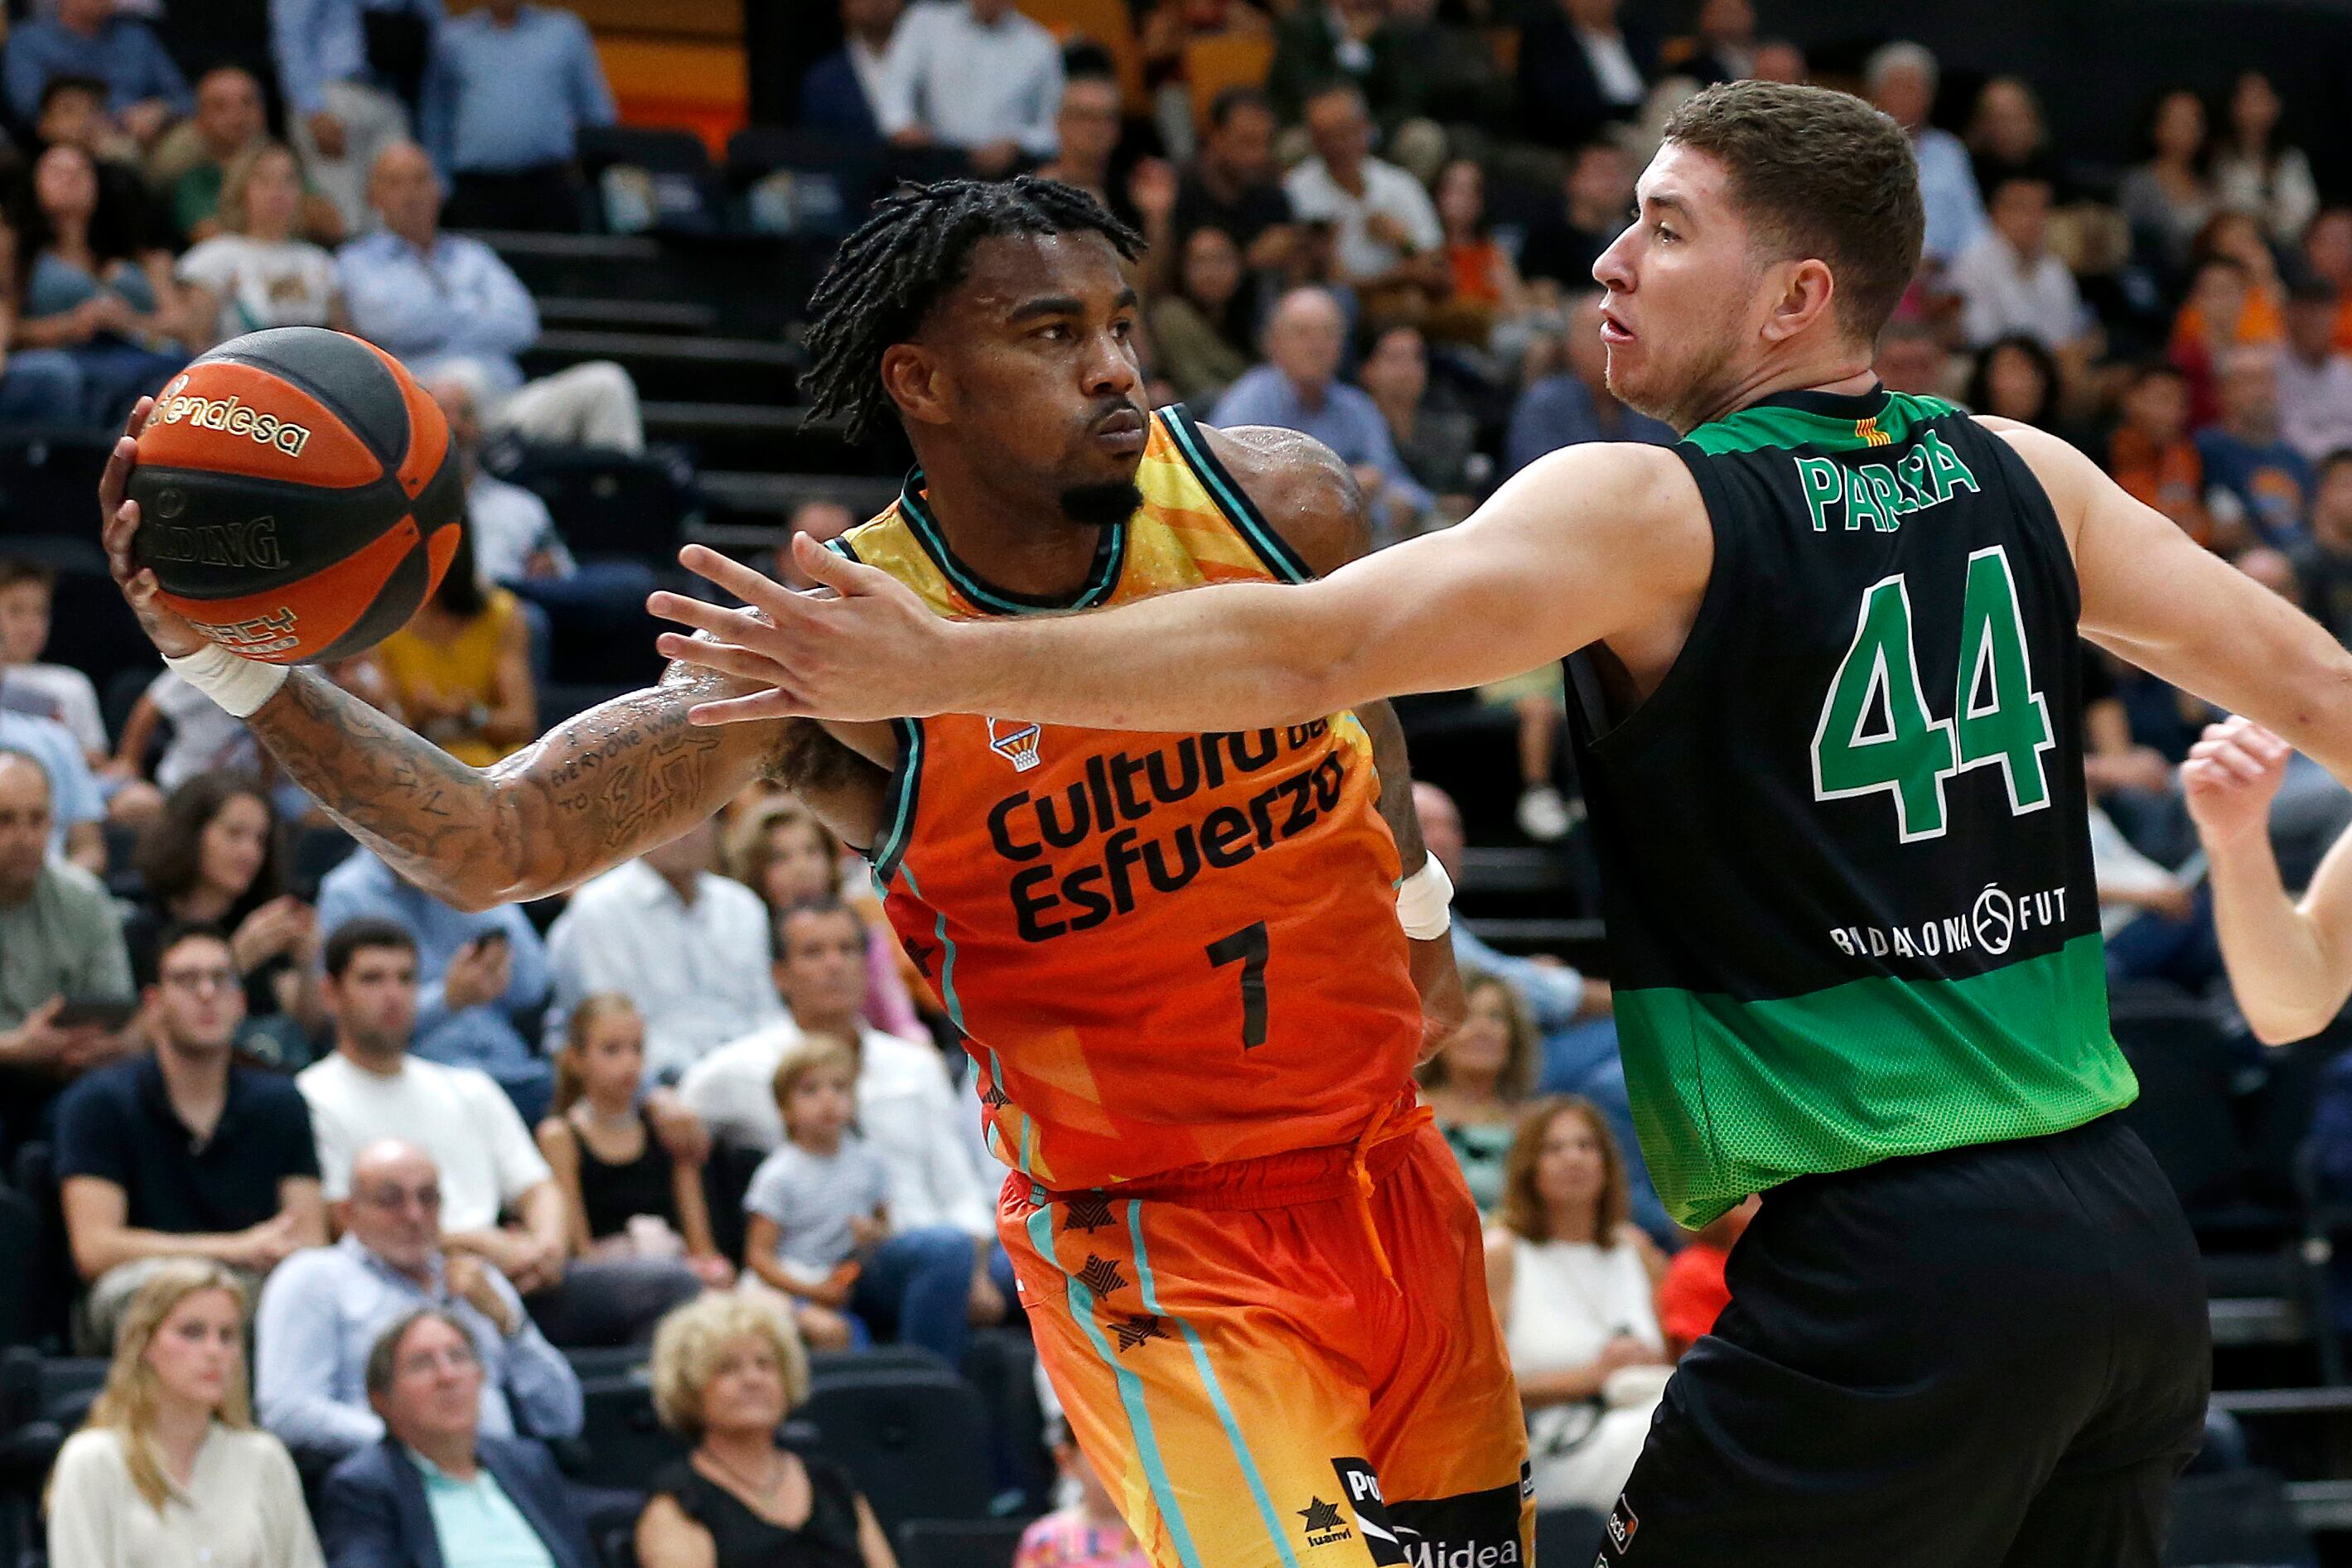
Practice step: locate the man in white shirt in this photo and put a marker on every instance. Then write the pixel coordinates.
(690, 947)
(2314, 381)
(974, 75)
(1386, 233)
(2008, 279)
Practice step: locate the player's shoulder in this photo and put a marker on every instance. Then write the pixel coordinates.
(1302, 488)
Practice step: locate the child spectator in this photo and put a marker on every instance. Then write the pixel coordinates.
(1086, 1530)
(817, 1203)
(53, 692)
(2150, 454)
(1693, 1294)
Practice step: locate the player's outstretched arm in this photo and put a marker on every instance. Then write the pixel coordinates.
(2290, 963)
(614, 782)
(1586, 543)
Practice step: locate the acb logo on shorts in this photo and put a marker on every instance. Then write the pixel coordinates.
(1621, 1525)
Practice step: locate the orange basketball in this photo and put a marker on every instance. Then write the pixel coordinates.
(297, 496)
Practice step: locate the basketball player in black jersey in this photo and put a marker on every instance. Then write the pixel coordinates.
(1824, 696)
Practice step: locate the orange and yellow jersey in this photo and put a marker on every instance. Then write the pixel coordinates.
(1164, 950)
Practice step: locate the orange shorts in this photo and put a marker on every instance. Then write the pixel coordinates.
(1259, 1385)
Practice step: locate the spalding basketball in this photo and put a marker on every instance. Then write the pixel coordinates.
(298, 497)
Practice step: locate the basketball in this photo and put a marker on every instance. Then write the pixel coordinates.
(297, 496)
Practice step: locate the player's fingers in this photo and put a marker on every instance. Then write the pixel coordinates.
(2241, 762)
(723, 657)
(833, 570)
(121, 526)
(750, 587)
(2269, 747)
(759, 705)
(113, 483)
(728, 625)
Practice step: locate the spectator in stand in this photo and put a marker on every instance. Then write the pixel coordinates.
(2326, 255)
(1389, 245)
(1298, 389)
(1086, 128)
(482, 977)
(1693, 1294)
(2010, 282)
(1574, 1280)
(1902, 79)
(823, 519)
(435, 1490)
(1721, 45)
(627, 1196)
(461, 668)
(442, 301)
(688, 946)
(1573, 403)
(2016, 378)
(976, 76)
(2167, 199)
(1435, 439)
(1087, 1531)
(1484, 292)
(2324, 560)
(144, 89)
(510, 88)
(59, 944)
(1479, 1080)
(323, 1311)
(2256, 484)
(55, 692)
(73, 114)
(192, 163)
(2226, 308)
(2315, 377)
(780, 851)
(1580, 71)
(2237, 236)
(842, 93)
(1330, 41)
(1778, 59)
(344, 67)
(75, 809)
(168, 1468)
(2253, 172)
(85, 291)
(1597, 195)
(2008, 138)
(1236, 185)
(727, 1370)
(1912, 359)
(1200, 328)
(254, 272)
(183, 1153)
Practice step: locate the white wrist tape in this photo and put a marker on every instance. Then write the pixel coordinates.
(238, 685)
(1425, 902)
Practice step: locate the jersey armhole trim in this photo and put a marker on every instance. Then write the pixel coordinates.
(841, 546)
(1268, 546)
(899, 799)
(2029, 499)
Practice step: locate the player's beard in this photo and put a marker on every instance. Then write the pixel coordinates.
(1103, 505)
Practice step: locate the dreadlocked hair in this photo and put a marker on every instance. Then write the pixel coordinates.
(913, 251)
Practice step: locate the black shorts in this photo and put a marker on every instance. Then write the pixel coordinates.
(1994, 1357)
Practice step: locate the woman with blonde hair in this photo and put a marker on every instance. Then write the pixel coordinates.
(169, 1471)
(1575, 1282)
(780, 851)
(1479, 1080)
(726, 1370)
(258, 271)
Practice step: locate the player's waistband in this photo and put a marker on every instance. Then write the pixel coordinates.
(1277, 1180)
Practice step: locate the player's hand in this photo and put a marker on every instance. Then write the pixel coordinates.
(2229, 780)
(117, 518)
(1439, 981)
(478, 972)
(867, 650)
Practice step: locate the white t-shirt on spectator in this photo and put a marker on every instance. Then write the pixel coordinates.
(2000, 293)
(263, 283)
(511, 525)
(203, 736)
(2316, 404)
(56, 692)
(457, 1114)
(1315, 197)
(813, 1197)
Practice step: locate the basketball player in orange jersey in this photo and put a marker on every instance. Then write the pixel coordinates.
(1181, 961)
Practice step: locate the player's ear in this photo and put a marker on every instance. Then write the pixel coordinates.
(1807, 293)
(912, 376)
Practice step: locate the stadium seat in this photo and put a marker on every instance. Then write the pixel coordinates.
(960, 1544)
(609, 504)
(624, 1443)
(916, 1442)
(835, 1366)
(1566, 1534)
(20, 1235)
(1213, 65)
(1107, 23)
(2176, 1047)
(787, 182)
(48, 480)
(2242, 1518)
(649, 179)
(44, 1283)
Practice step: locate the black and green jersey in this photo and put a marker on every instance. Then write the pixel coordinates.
(1843, 855)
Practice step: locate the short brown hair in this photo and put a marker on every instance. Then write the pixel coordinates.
(1522, 1212)
(16, 569)
(1818, 173)
(383, 1355)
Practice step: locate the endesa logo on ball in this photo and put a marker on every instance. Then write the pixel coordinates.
(230, 415)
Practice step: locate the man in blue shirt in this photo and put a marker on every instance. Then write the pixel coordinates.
(1573, 405)
(1298, 389)
(2255, 478)
(144, 89)
(1902, 78)
(510, 87)
(342, 65)
(77, 810)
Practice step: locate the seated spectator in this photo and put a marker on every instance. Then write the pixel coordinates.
(1484, 289)
(435, 1490)
(324, 1311)
(1573, 403)
(976, 76)
(2150, 454)
(627, 1196)
(727, 1370)
(1236, 185)
(1573, 1282)
(509, 89)
(443, 301)
(1200, 328)
(1387, 242)
(2010, 281)
(253, 272)
(1912, 359)
(2256, 484)
(344, 67)
(2327, 257)
(1720, 47)
(461, 668)
(182, 1153)
(1168, 31)
(1435, 439)
(1086, 128)
(77, 808)
(1580, 71)
(55, 692)
(1479, 1080)
(2253, 171)
(688, 946)
(1331, 41)
(73, 114)
(1298, 389)
(841, 93)
(2008, 138)
(1902, 78)
(144, 89)
(1596, 197)
(2215, 322)
(59, 944)
(83, 291)
(2169, 198)
(1087, 1531)
(192, 163)
(215, 856)
(2315, 377)
(1693, 1294)
(2016, 378)
(168, 1466)
(2325, 560)
(780, 851)
(482, 976)
(823, 519)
